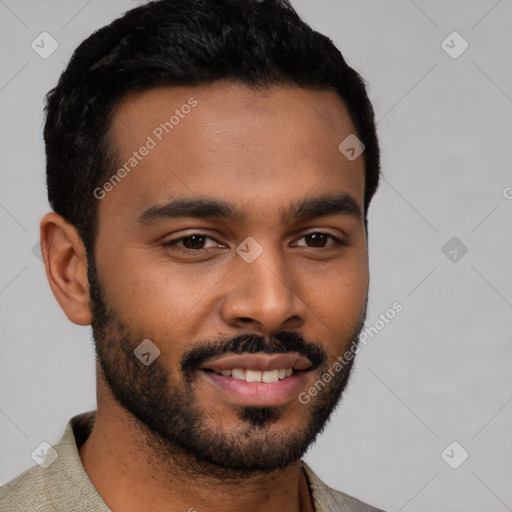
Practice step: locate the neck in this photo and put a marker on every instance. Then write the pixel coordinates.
(130, 474)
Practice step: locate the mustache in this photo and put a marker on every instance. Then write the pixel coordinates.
(280, 343)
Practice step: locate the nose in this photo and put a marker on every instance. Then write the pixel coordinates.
(264, 296)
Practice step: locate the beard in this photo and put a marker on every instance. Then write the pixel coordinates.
(178, 431)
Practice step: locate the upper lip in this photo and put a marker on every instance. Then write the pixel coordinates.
(261, 362)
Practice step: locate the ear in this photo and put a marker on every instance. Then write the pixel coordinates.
(65, 261)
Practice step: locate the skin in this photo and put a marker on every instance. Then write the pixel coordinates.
(259, 151)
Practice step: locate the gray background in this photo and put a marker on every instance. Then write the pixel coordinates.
(441, 370)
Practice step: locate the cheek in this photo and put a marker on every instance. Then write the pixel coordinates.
(339, 297)
(156, 296)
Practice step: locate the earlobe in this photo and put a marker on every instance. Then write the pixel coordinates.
(65, 261)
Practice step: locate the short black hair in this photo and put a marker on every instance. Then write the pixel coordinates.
(168, 43)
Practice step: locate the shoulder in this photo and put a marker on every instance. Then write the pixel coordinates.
(59, 482)
(328, 499)
(26, 492)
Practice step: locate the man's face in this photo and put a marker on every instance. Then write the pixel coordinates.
(230, 300)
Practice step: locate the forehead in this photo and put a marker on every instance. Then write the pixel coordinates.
(245, 146)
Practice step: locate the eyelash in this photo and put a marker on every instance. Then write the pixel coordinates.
(172, 243)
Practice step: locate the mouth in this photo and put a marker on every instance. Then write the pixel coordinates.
(266, 376)
(264, 380)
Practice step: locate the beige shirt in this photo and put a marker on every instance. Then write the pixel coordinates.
(63, 485)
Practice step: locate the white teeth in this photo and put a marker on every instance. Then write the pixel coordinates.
(238, 373)
(253, 376)
(257, 375)
(270, 376)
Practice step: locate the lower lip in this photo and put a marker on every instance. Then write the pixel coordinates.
(258, 393)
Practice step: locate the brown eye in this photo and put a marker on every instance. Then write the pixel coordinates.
(194, 242)
(319, 240)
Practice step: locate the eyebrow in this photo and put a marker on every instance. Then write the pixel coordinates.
(210, 208)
